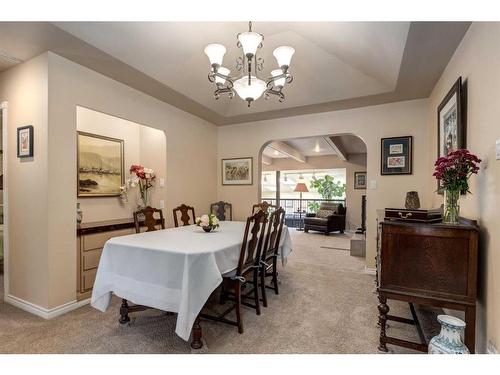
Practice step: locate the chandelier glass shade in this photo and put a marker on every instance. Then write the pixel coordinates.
(215, 53)
(249, 86)
(249, 91)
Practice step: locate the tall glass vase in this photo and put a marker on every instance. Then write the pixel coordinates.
(451, 212)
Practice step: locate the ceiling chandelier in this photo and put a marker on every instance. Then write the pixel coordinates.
(248, 85)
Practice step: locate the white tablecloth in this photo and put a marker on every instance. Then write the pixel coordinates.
(173, 270)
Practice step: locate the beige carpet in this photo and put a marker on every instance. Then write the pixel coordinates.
(326, 305)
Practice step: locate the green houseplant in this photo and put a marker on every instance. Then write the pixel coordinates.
(327, 187)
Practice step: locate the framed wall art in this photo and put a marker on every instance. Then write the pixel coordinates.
(237, 171)
(451, 123)
(25, 141)
(396, 155)
(100, 165)
(451, 129)
(359, 180)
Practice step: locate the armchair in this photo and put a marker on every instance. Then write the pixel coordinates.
(329, 218)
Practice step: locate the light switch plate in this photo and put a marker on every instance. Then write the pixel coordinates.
(497, 149)
(162, 204)
(372, 185)
(162, 182)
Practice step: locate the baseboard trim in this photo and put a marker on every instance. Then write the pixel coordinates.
(370, 271)
(42, 311)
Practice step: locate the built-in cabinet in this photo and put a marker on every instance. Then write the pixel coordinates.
(91, 238)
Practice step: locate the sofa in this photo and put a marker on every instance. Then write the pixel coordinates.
(329, 218)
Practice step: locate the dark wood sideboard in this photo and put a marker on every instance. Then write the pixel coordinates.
(427, 264)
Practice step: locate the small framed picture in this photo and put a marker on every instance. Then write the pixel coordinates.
(237, 171)
(359, 180)
(25, 142)
(396, 155)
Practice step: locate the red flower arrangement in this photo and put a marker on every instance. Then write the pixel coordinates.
(144, 177)
(454, 170)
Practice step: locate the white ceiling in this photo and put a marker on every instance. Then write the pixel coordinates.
(333, 60)
(318, 146)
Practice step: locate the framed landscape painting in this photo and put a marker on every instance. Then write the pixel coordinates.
(396, 155)
(237, 171)
(100, 165)
(359, 180)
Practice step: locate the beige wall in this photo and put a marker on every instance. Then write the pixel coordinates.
(477, 60)
(25, 88)
(369, 123)
(355, 163)
(142, 145)
(45, 92)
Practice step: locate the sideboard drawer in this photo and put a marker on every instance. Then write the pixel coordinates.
(91, 259)
(89, 278)
(97, 240)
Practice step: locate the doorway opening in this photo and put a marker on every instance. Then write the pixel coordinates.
(312, 175)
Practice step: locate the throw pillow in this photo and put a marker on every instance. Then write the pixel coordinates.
(324, 213)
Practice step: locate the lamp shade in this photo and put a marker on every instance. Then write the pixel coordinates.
(252, 91)
(278, 81)
(301, 188)
(283, 55)
(215, 53)
(224, 72)
(249, 42)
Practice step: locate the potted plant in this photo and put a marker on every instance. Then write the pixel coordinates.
(327, 187)
(453, 172)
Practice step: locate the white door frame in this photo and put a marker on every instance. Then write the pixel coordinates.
(4, 108)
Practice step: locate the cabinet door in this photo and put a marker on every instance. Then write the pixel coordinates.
(91, 259)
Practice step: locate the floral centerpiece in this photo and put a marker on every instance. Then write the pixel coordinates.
(453, 173)
(144, 178)
(207, 222)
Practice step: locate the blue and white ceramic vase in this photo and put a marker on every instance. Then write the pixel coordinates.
(448, 341)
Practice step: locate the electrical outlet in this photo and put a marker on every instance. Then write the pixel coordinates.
(162, 182)
(491, 349)
(497, 149)
(162, 204)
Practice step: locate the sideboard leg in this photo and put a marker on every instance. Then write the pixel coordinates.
(383, 309)
(124, 318)
(196, 342)
(470, 328)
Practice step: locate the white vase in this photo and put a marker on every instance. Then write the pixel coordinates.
(448, 341)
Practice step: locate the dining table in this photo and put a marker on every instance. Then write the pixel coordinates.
(174, 270)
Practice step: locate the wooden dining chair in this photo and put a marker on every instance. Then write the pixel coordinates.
(270, 253)
(222, 210)
(185, 217)
(150, 222)
(264, 206)
(247, 272)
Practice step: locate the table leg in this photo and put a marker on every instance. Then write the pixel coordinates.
(124, 318)
(470, 328)
(383, 309)
(196, 342)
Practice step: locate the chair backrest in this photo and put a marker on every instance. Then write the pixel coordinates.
(221, 209)
(273, 236)
(150, 221)
(251, 247)
(263, 206)
(185, 217)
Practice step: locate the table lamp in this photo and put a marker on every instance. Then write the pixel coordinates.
(300, 188)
